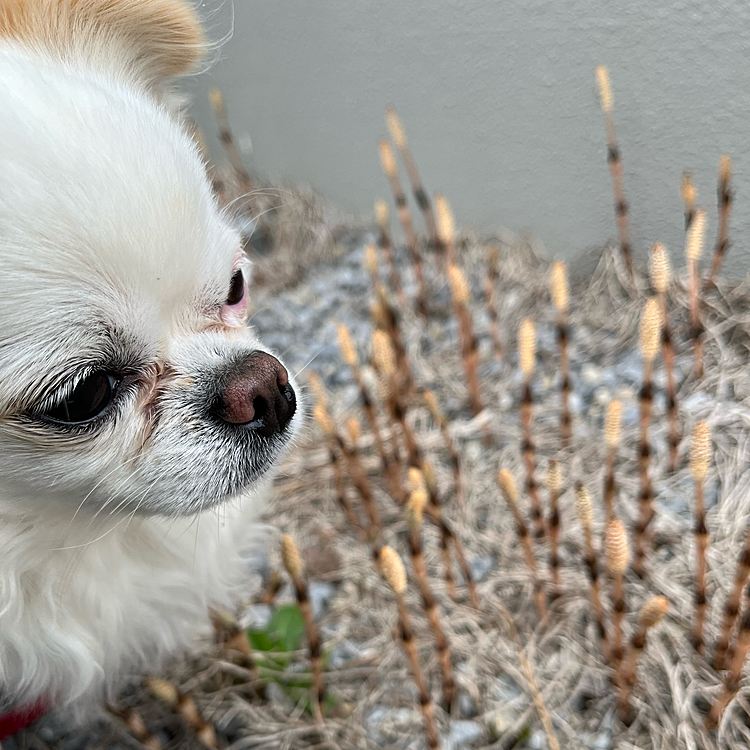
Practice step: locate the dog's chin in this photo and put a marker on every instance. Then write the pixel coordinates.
(229, 480)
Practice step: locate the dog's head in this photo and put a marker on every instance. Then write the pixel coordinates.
(128, 378)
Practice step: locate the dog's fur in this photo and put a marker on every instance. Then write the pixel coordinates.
(114, 539)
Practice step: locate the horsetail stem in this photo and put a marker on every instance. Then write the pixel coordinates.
(414, 512)
(659, 267)
(398, 134)
(650, 615)
(508, 487)
(490, 294)
(618, 558)
(460, 296)
(433, 406)
(700, 456)
(585, 511)
(732, 605)
(615, 168)
(553, 480)
(559, 293)
(725, 196)
(292, 560)
(612, 421)
(526, 357)
(693, 251)
(392, 570)
(383, 218)
(388, 165)
(649, 345)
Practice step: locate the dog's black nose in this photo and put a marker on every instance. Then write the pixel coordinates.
(259, 396)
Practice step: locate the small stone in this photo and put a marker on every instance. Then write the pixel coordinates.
(600, 741)
(591, 374)
(344, 652)
(467, 709)
(256, 617)
(498, 723)
(275, 694)
(481, 566)
(602, 396)
(462, 734)
(321, 593)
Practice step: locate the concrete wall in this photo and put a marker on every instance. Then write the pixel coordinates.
(500, 103)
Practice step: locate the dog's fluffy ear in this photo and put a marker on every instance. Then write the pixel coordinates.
(161, 38)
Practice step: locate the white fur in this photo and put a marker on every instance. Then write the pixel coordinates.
(113, 543)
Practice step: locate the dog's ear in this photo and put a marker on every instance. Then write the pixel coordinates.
(160, 38)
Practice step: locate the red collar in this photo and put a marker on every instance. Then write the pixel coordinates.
(20, 718)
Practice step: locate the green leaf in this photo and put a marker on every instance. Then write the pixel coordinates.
(288, 625)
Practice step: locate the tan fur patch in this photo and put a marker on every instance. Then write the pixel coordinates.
(164, 37)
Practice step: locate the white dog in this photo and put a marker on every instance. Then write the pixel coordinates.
(139, 416)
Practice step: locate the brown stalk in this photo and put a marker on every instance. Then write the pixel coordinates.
(460, 295)
(732, 680)
(693, 251)
(732, 605)
(490, 293)
(384, 362)
(392, 570)
(650, 616)
(349, 355)
(700, 455)
(446, 227)
(435, 512)
(356, 472)
(271, 589)
(649, 344)
(383, 218)
(417, 482)
(227, 139)
(508, 487)
(398, 134)
(612, 421)
(615, 168)
(689, 194)
(434, 408)
(725, 195)
(386, 317)
(186, 707)
(553, 480)
(618, 558)
(388, 164)
(234, 640)
(660, 278)
(134, 723)
(293, 564)
(414, 513)
(372, 265)
(585, 512)
(559, 291)
(526, 357)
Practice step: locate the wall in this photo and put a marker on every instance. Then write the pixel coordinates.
(500, 103)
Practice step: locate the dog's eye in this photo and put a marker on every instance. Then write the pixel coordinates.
(87, 400)
(236, 289)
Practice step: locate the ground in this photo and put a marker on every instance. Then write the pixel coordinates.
(374, 701)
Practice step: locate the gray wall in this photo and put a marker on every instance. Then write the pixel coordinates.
(500, 104)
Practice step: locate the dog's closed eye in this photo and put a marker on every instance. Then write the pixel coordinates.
(88, 400)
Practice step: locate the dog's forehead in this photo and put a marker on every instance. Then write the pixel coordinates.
(97, 180)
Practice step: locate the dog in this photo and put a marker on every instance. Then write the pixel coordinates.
(141, 421)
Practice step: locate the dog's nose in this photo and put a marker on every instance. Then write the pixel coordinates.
(259, 396)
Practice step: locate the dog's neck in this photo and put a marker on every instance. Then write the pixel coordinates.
(91, 597)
